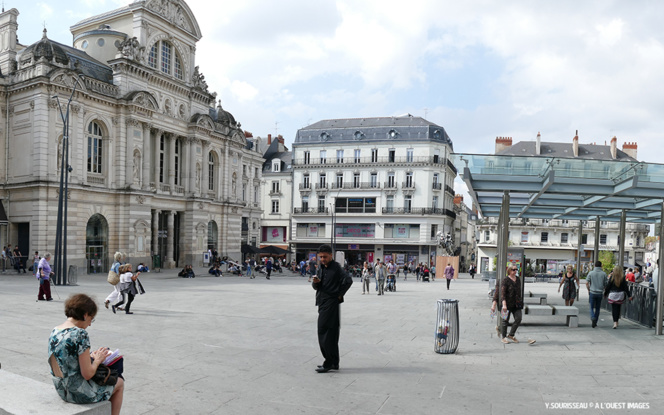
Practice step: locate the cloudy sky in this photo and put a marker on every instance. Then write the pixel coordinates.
(478, 68)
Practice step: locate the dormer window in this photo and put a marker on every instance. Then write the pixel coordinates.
(163, 56)
(276, 166)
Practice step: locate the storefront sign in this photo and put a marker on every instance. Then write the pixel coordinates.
(401, 231)
(275, 234)
(312, 231)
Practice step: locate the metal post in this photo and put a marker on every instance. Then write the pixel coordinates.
(621, 247)
(502, 242)
(578, 255)
(596, 250)
(660, 280)
(60, 260)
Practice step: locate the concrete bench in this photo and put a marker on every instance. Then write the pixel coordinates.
(539, 297)
(529, 279)
(20, 395)
(571, 312)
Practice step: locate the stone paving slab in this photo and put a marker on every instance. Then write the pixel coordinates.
(232, 345)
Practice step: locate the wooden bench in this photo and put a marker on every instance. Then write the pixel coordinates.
(20, 395)
(571, 312)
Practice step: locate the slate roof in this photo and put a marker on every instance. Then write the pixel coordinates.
(400, 128)
(271, 153)
(565, 150)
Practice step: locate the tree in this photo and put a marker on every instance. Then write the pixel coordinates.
(608, 261)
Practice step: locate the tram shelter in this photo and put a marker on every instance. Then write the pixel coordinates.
(508, 186)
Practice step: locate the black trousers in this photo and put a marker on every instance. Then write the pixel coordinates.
(615, 311)
(329, 324)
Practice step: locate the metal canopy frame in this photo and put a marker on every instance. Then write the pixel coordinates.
(568, 189)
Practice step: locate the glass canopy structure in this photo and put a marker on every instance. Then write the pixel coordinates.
(507, 186)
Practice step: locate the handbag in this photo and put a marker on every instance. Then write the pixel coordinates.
(105, 376)
(113, 277)
(616, 297)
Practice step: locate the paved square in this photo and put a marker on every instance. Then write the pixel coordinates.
(232, 345)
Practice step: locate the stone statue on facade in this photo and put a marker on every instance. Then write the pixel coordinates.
(132, 50)
(198, 79)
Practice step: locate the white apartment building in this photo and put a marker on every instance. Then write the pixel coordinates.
(277, 197)
(464, 234)
(385, 185)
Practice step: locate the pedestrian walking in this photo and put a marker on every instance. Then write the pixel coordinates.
(596, 283)
(268, 268)
(127, 287)
(510, 294)
(381, 272)
(449, 274)
(44, 275)
(617, 291)
(115, 295)
(569, 282)
(331, 284)
(366, 278)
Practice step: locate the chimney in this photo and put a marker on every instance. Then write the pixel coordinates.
(575, 144)
(503, 143)
(458, 199)
(614, 148)
(538, 144)
(630, 149)
(269, 139)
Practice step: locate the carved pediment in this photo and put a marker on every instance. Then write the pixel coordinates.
(176, 12)
(203, 121)
(67, 79)
(143, 99)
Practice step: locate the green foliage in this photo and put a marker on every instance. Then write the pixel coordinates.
(608, 261)
(529, 272)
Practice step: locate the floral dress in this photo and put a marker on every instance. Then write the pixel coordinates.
(66, 345)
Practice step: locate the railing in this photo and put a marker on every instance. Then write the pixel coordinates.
(408, 185)
(450, 213)
(320, 186)
(373, 160)
(436, 186)
(356, 185)
(449, 189)
(389, 185)
(164, 187)
(311, 211)
(641, 309)
(451, 166)
(414, 211)
(179, 190)
(305, 186)
(275, 192)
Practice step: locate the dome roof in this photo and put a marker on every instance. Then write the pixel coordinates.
(47, 49)
(225, 117)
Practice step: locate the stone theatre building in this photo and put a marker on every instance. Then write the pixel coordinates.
(158, 167)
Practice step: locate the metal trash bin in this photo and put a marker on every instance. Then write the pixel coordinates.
(446, 336)
(156, 263)
(72, 275)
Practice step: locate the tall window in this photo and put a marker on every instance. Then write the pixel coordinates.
(409, 179)
(409, 155)
(307, 157)
(487, 236)
(390, 180)
(434, 202)
(391, 155)
(305, 181)
(94, 148)
(374, 180)
(602, 239)
(584, 239)
(340, 180)
(305, 204)
(407, 203)
(165, 57)
(357, 155)
(435, 179)
(275, 187)
(321, 204)
(275, 206)
(244, 192)
(323, 156)
(356, 180)
(152, 57)
(162, 146)
(255, 194)
(564, 237)
(322, 181)
(340, 156)
(389, 204)
(210, 171)
(544, 237)
(178, 145)
(434, 231)
(374, 155)
(178, 67)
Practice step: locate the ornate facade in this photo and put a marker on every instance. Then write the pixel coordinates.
(156, 168)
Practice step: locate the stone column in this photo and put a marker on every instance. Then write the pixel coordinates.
(196, 176)
(145, 180)
(171, 162)
(155, 232)
(157, 140)
(204, 171)
(168, 256)
(225, 192)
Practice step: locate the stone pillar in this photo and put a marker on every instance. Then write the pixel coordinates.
(145, 179)
(204, 171)
(168, 256)
(171, 162)
(225, 192)
(155, 232)
(157, 141)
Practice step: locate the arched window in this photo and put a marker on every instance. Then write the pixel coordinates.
(212, 235)
(163, 55)
(95, 148)
(211, 163)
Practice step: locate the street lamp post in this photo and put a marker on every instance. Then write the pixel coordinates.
(60, 260)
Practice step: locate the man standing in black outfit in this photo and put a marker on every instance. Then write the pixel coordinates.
(331, 283)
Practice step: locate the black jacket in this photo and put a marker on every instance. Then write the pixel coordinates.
(334, 282)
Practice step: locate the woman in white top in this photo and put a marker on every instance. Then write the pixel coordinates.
(127, 287)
